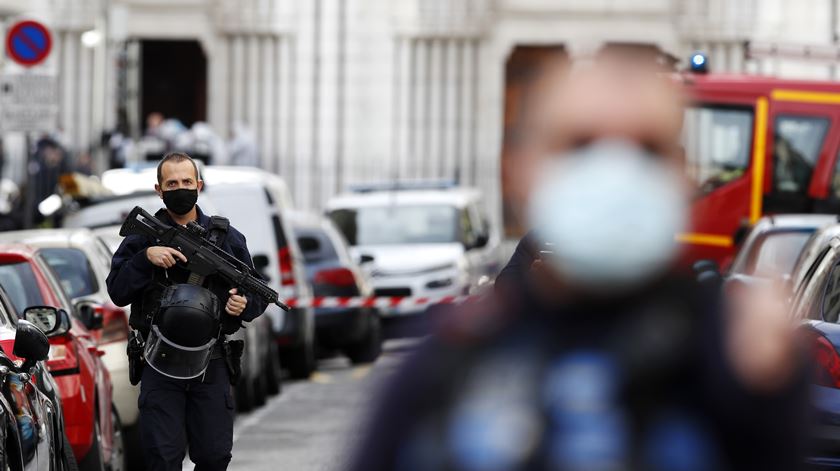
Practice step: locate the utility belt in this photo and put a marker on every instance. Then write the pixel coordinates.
(229, 350)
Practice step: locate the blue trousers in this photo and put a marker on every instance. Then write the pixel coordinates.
(176, 413)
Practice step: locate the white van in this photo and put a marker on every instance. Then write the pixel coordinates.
(255, 202)
(419, 240)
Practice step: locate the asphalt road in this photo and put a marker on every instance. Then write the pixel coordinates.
(311, 425)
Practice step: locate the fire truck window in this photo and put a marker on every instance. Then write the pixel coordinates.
(717, 144)
(796, 147)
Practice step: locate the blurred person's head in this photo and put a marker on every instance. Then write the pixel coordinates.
(178, 183)
(153, 121)
(601, 178)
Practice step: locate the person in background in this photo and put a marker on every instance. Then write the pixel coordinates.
(600, 354)
(153, 123)
(48, 163)
(242, 148)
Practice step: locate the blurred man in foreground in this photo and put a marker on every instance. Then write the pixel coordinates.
(601, 355)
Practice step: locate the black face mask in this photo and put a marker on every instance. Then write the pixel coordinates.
(180, 201)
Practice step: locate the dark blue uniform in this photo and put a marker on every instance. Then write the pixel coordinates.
(639, 382)
(176, 412)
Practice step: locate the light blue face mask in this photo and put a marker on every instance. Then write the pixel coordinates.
(610, 213)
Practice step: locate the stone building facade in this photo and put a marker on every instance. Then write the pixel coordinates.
(344, 91)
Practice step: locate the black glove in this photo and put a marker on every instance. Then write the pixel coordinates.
(233, 359)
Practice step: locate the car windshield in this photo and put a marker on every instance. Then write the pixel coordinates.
(775, 253)
(72, 268)
(18, 280)
(389, 225)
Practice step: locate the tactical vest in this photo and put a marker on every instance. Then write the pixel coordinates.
(186, 326)
(143, 310)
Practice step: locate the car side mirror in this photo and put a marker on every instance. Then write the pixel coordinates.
(705, 265)
(261, 264)
(52, 321)
(90, 314)
(31, 343)
(365, 258)
(481, 241)
(707, 273)
(740, 234)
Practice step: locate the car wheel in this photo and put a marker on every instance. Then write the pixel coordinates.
(94, 460)
(244, 394)
(274, 373)
(68, 459)
(117, 462)
(301, 361)
(368, 349)
(260, 390)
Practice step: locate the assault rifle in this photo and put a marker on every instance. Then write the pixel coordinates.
(203, 258)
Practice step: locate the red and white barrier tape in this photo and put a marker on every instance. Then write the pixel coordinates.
(374, 301)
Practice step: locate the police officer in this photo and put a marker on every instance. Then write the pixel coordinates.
(174, 411)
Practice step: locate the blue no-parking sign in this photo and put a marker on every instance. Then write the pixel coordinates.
(28, 43)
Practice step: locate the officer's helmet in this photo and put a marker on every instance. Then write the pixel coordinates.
(188, 315)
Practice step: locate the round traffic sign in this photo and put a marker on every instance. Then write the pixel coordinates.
(28, 43)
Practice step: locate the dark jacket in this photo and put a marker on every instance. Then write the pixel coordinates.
(132, 276)
(519, 264)
(641, 380)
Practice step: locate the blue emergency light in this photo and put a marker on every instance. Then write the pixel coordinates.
(699, 63)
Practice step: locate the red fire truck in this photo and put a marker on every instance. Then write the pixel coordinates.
(755, 146)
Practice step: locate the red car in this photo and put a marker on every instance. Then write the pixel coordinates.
(83, 380)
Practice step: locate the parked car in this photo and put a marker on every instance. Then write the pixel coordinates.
(773, 245)
(110, 236)
(817, 304)
(91, 420)
(274, 250)
(420, 240)
(332, 272)
(31, 421)
(81, 261)
(815, 248)
(287, 336)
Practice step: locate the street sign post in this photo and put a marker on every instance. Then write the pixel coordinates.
(28, 85)
(29, 93)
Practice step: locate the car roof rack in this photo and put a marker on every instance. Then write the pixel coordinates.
(410, 185)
